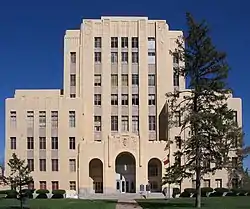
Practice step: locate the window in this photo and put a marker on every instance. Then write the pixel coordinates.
(125, 124)
(114, 123)
(97, 81)
(42, 143)
(151, 123)
(72, 165)
(235, 116)
(72, 95)
(30, 164)
(30, 119)
(135, 57)
(42, 164)
(98, 42)
(234, 162)
(42, 184)
(151, 99)
(151, 80)
(135, 124)
(13, 119)
(135, 99)
(72, 185)
(114, 42)
(206, 183)
(124, 41)
(151, 54)
(176, 79)
(54, 119)
(30, 143)
(218, 183)
(153, 170)
(124, 80)
(98, 123)
(72, 143)
(178, 118)
(12, 142)
(124, 99)
(178, 142)
(42, 119)
(175, 58)
(135, 42)
(135, 79)
(114, 99)
(98, 57)
(151, 38)
(114, 57)
(73, 57)
(114, 80)
(54, 142)
(31, 185)
(97, 99)
(55, 185)
(72, 80)
(72, 119)
(124, 57)
(54, 163)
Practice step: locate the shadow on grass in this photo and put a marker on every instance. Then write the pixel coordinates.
(165, 204)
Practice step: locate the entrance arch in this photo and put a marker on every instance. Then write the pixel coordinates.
(96, 174)
(125, 168)
(155, 175)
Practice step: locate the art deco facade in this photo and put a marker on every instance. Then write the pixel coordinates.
(106, 129)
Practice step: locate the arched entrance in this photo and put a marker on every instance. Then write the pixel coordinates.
(125, 173)
(96, 174)
(155, 175)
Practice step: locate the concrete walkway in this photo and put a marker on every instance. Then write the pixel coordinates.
(127, 204)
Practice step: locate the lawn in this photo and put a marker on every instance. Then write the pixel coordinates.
(188, 203)
(58, 204)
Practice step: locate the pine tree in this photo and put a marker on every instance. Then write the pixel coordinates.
(211, 131)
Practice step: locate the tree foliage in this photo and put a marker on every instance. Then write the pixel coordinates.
(208, 127)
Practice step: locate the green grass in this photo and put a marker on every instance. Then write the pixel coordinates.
(188, 203)
(58, 204)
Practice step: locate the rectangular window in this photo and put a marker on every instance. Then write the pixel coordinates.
(97, 99)
(42, 119)
(206, 183)
(175, 58)
(151, 80)
(135, 57)
(135, 79)
(12, 143)
(30, 119)
(235, 116)
(151, 99)
(124, 99)
(98, 57)
(13, 119)
(42, 143)
(54, 119)
(55, 185)
(114, 57)
(114, 123)
(114, 99)
(54, 142)
(42, 164)
(135, 42)
(114, 80)
(72, 143)
(218, 183)
(125, 124)
(72, 185)
(124, 80)
(72, 165)
(98, 80)
(98, 42)
(135, 99)
(30, 164)
(135, 124)
(178, 118)
(178, 142)
(114, 42)
(98, 123)
(151, 123)
(124, 41)
(30, 143)
(176, 79)
(72, 80)
(72, 119)
(54, 164)
(124, 57)
(42, 184)
(73, 57)
(72, 95)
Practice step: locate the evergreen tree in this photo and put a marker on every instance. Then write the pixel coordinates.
(210, 128)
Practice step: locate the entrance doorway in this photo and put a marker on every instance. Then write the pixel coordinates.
(125, 173)
(96, 174)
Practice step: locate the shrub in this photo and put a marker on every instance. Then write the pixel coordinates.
(42, 196)
(3, 191)
(190, 190)
(185, 194)
(175, 192)
(42, 191)
(221, 190)
(59, 191)
(11, 194)
(28, 193)
(57, 196)
(205, 191)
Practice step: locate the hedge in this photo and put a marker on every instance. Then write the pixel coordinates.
(11, 194)
(190, 190)
(59, 191)
(42, 196)
(42, 191)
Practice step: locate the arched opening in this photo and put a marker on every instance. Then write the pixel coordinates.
(125, 173)
(155, 175)
(96, 174)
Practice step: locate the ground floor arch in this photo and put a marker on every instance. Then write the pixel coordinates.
(96, 174)
(155, 175)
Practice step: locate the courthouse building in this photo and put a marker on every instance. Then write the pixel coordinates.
(106, 130)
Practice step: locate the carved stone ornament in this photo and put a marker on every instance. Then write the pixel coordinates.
(125, 142)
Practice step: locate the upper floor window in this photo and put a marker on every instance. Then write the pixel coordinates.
(124, 79)
(72, 80)
(72, 119)
(135, 99)
(30, 163)
(73, 57)
(135, 57)
(97, 123)
(98, 80)
(42, 164)
(54, 142)
(124, 41)
(54, 119)
(114, 99)
(124, 99)
(30, 143)
(114, 123)
(114, 80)
(135, 42)
(114, 42)
(30, 119)
(135, 124)
(42, 119)
(13, 119)
(235, 116)
(151, 123)
(97, 99)
(114, 57)
(72, 143)
(98, 57)
(42, 143)
(124, 57)
(125, 123)
(135, 79)
(54, 165)
(98, 42)
(12, 142)
(151, 99)
(72, 165)
(151, 80)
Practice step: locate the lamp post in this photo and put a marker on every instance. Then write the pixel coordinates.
(78, 170)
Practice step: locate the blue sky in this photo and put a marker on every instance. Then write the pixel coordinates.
(31, 39)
